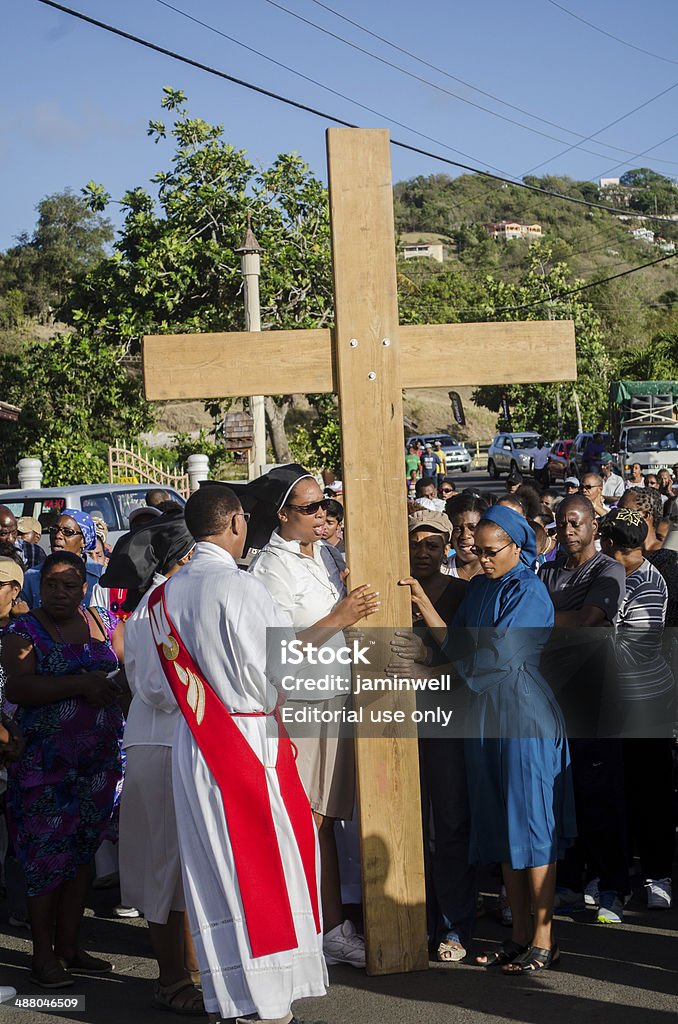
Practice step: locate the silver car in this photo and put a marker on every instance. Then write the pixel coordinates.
(457, 455)
(511, 453)
(113, 502)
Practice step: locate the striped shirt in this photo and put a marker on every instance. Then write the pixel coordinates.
(643, 671)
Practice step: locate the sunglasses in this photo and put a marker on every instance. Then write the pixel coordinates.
(66, 531)
(589, 487)
(311, 508)
(488, 552)
(447, 490)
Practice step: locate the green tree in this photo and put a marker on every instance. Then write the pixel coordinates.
(534, 406)
(653, 192)
(174, 267)
(67, 240)
(75, 397)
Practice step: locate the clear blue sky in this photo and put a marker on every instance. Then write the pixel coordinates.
(77, 100)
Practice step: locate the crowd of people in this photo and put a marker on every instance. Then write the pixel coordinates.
(140, 708)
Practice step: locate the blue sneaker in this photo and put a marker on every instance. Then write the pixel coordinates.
(611, 910)
(567, 901)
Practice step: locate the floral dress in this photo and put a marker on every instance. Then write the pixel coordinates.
(63, 792)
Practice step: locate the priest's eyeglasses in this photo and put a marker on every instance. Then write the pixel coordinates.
(488, 552)
(311, 508)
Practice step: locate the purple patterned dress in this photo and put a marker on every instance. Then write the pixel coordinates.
(62, 793)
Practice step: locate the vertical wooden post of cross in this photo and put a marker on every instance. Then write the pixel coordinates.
(367, 354)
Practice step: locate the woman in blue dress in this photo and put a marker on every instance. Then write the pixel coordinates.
(522, 808)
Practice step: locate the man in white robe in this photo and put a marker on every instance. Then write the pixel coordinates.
(221, 616)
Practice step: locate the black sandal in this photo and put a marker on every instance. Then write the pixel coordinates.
(506, 954)
(535, 958)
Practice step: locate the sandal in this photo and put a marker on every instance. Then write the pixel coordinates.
(182, 998)
(506, 954)
(535, 958)
(87, 964)
(53, 975)
(450, 951)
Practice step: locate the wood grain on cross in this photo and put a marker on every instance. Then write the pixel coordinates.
(367, 360)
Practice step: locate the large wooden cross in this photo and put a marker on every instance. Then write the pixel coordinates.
(367, 360)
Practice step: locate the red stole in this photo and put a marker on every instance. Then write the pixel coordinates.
(241, 778)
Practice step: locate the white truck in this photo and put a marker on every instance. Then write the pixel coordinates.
(644, 423)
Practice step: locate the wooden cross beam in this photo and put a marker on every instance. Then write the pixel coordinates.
(367, 360)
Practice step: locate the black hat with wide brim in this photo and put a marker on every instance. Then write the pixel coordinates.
(262, 498)
(138, 555)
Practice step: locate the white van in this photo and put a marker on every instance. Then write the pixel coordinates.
(113, 502)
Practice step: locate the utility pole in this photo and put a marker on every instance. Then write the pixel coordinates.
(250, 267)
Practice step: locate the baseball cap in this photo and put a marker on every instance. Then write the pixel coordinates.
(28, 524)
(427, 519)
(571, 480)
(428, 444)
(10, 572)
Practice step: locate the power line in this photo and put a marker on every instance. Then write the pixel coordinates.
(296, 104)
(411, 74)
(604, 32)
(320, 85)
(585, 287)
(447, 74)
(637, 156)
(616, 121)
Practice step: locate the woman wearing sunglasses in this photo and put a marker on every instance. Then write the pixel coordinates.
(306, 577)
(73, 531)
(517, 758)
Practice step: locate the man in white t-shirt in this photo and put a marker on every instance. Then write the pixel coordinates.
(613, 484)
(540, 462)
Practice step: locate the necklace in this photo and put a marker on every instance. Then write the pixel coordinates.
(84, 657)
(464, 575)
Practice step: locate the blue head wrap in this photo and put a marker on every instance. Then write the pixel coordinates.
(517, 528)
(86, 524)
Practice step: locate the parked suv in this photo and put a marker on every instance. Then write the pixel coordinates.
(113, 502)
(577, 451)
(511, 453)
(456, 454)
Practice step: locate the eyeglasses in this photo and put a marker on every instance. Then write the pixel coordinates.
(66, 531)
(488, 552)
(311, 508)
(245, 515)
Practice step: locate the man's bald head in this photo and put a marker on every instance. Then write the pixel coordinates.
(8, 528)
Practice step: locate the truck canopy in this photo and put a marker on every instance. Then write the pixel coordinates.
(624, 389)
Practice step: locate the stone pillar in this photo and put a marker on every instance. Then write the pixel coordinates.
(198, 468)
(30, 473)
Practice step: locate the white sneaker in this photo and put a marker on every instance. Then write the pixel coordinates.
(591, 893)
(121, 911)
(658, 893)
(6, 993)
(343, 945)
(611, 909)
